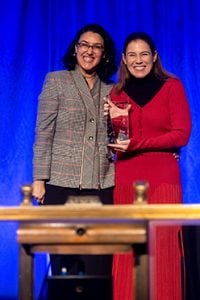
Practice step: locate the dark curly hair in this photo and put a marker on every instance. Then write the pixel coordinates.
(107, 66)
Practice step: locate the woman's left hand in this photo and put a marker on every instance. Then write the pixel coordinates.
(120, 145)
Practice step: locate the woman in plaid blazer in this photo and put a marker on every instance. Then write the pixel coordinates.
(71, 157)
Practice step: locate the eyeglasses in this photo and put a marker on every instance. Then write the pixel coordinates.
(84, 46)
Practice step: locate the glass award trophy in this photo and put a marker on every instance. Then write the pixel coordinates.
(122, 122)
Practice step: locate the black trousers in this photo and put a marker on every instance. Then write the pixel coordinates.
(79, 264)
(191, 240)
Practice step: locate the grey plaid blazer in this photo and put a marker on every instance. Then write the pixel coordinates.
(70, 147)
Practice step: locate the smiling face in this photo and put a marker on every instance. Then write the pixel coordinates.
(89, 52)
(138, 58)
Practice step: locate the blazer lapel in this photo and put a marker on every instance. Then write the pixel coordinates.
(83, 91)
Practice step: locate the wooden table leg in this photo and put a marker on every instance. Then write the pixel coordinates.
(26, 283)
(141, 272)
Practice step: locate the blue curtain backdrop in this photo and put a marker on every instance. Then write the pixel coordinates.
(34, 35)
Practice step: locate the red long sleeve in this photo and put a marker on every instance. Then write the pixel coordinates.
(163, 123)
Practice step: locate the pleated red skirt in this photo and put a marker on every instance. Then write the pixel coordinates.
(165, 247)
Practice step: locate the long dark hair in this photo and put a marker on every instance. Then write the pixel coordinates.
(158, 70)
(107, 66)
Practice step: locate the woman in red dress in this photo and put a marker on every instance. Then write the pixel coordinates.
(159, 125)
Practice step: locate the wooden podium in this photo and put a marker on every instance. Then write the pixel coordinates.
(86, 229)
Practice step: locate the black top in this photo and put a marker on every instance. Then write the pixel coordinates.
(142, 90)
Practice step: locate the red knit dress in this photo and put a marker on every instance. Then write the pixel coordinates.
(156, 129)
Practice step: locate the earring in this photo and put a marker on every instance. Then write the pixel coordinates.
(106, 60)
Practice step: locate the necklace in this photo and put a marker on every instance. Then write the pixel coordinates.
(90, 80)
(89, 76)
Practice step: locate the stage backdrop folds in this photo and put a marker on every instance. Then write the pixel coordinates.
(34, 35)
